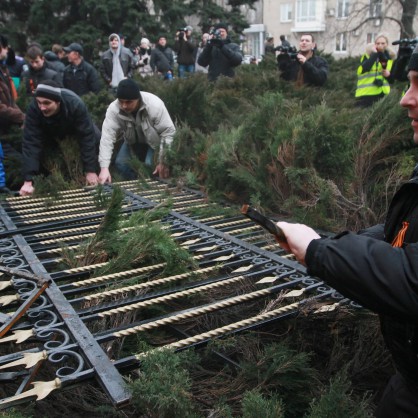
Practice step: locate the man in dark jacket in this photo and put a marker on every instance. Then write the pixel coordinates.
(38, 70)
(55, 114)
(185, 48)
(303, 67)
(162, 58)
(220, 54)
(80, 76)
(378, 268)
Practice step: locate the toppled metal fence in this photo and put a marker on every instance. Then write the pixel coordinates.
(59, 326)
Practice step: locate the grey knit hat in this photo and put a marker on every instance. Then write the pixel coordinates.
(48, 92)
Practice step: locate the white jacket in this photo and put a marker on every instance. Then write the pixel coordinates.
(152, 118)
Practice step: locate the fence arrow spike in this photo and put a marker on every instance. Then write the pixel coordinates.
(4, 284)
(28, 359)
(294, 293)
(40, 389)
(243, 268)
(19, 336)
(7, 300)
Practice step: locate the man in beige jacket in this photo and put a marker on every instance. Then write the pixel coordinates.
(143, 122)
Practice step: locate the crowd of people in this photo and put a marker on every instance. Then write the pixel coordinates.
(57, 79)
(375, 267)
(67, 71)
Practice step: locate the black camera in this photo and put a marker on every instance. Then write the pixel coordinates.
(216, 39)
(291, 51)
(216, 33)
(181, 34)
(378, 82)
(406, 46)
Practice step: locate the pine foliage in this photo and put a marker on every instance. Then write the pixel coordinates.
(337, 402)
(280, 371)
(163, 389)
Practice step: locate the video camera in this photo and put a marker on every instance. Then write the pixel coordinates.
(406, 46)
(291, 51)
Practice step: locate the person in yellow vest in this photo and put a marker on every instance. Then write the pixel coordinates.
(374, 72)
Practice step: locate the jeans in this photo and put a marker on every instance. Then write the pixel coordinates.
(183, 69)
(142, 151)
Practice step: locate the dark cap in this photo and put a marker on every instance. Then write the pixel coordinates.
(221, 25)
(74, 47)
(128, 89)
(413, 62)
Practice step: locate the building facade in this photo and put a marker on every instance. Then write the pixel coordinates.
(340, 27)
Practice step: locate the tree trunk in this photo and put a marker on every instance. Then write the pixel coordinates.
(409, 8)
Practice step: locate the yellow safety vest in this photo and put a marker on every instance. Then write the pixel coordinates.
(365, 81)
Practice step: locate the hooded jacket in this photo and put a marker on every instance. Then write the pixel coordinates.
(152, 121)
(126, 60)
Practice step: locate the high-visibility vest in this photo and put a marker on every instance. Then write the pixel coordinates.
(365, 81)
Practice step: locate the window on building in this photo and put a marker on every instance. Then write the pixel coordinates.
(371, 37)
(342, 8)
(341, 42)
(286, 12)
(306, 10)
(375, 9)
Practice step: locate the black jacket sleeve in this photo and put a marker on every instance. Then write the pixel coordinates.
(368, 63)
(32, 144)
(86, 137)
(316, 71)
(232, 53)
(206, 56)
(369, 271)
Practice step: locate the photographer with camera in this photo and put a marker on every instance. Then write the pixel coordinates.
(302, 66)
(406, 47)
(220, 54)
(185, 47)
(374, 72)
